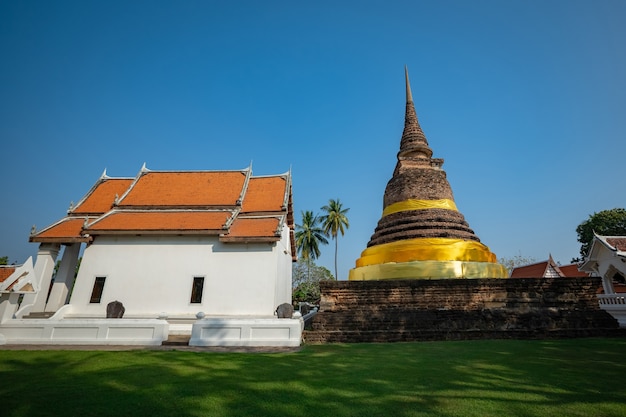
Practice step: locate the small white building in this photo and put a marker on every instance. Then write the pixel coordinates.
(179, 249)
(607, 259)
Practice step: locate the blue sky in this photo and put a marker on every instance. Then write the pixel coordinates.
(524, 100)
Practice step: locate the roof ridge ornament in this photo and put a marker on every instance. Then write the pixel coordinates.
(104, 175)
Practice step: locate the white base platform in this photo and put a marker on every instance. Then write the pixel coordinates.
(84, 332)
(233, 331)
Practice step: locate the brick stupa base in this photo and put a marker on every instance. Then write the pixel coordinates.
(459, 309)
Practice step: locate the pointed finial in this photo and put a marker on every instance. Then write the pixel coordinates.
(104, 174)
(33, 230)
(409, 95)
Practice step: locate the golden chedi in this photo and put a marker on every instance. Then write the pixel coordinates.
(422, 234)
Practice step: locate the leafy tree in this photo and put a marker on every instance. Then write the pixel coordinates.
(334, 222)
(309, 236)
(515, 261)
(306, 280)
(605, 223)
(4, 260)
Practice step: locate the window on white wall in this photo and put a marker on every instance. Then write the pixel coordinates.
(98, 287)
(196, 290)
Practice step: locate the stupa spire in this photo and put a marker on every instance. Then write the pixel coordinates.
(413, 144)
(409, 95)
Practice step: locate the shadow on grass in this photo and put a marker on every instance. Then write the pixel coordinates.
(582, 377)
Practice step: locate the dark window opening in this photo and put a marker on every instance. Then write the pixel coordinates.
(196, 290)
(96, 293)
(619, 278)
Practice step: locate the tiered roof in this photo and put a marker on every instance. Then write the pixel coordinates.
(231, 204)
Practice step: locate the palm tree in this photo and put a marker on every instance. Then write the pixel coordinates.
(309, 236)
(334, 222)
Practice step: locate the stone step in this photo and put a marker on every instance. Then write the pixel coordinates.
(177, 340)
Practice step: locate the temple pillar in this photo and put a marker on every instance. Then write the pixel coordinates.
(607, 284)
(44, 269)
(8, 306)
(64, 278)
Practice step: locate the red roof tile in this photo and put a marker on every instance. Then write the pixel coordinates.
(151, 221)
(6, 271)
(180, 189)
(530, 271)
(618, 243)
(101, 198)
(265, 194)
(571, 271)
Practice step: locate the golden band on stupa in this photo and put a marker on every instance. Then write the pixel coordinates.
(422, 234)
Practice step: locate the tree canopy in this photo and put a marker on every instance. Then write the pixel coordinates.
(515, 261)
(306, 280)
(4, 260)
(334, 222)
(309, 236)
(605, 223)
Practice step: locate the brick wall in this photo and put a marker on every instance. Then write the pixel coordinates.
(455, 309)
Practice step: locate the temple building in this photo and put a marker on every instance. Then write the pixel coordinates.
(421, 233)
(178, 250)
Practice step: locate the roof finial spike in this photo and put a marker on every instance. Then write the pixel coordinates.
(409, 95)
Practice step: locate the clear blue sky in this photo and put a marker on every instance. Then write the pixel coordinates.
(525, 101)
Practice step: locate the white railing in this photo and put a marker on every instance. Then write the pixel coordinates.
(611, 299)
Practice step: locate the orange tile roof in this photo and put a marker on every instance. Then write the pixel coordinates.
(6, 271)
(184, 202)
(68, 229)
(265, 194)
(147, 221)
(254, 227)
(100, 199)
(179, 189)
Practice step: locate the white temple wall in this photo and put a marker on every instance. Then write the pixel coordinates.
(607, 260)
(151, 275)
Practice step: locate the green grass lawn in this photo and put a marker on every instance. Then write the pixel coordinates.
(579, 377)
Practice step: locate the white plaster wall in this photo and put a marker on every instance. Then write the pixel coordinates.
(154, 274)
